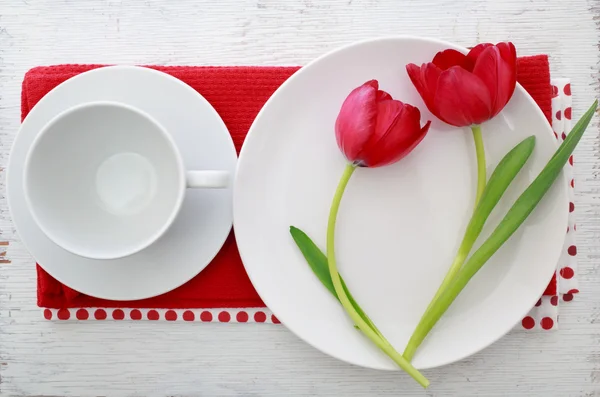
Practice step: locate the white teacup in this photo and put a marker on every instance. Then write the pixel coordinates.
(104, 180)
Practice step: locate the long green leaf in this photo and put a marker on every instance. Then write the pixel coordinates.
(317, 261)
(515, 216)
(501, 178)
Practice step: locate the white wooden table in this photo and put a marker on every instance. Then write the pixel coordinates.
(164, 359)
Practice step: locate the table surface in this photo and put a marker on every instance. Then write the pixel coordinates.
(165, 359)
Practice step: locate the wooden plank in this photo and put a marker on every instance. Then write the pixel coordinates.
(159, 359)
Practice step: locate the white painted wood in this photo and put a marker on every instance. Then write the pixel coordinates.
(160, 359)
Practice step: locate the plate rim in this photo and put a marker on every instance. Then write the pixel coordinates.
(251, 133)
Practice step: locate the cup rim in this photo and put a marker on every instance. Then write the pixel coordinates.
(66, 245)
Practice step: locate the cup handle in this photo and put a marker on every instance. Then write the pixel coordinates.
(207, 179)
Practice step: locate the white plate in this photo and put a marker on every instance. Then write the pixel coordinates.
(398, 226)
(205, 217)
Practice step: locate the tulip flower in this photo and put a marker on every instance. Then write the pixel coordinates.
(372, 130)
(466, 90)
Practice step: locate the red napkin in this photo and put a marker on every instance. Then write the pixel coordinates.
(237, 93)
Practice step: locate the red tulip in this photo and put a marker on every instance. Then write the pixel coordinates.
(373, 130)
(464, 90)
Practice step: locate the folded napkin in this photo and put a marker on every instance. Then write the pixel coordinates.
(222, 292)
(561, 123)
(564, 283)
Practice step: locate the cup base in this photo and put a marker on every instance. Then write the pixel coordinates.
(125, 183)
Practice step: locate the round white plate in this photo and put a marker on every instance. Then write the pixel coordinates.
(399, 226)
(205, 217)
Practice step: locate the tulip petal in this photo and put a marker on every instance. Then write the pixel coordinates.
(496, 67)
(462, 99)
(477, 50)
(414, 73)
(448, 58)
(398, 132)
(430, 75)
(426, 127)
(356, 121)
(425, 80)
(382, 96)
(508, 52)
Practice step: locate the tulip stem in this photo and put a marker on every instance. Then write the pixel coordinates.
(459, 259)
(466, 244)
(480, 152)
(385, 346)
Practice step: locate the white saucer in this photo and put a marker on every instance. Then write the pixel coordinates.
(205, 219)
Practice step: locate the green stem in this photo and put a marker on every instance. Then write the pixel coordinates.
(362, 313)
(317, 261)
(465, 245)
(461, 255)
(339, 289)
(480, 151)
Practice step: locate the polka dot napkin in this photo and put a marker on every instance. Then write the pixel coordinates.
(564, 285)
(222, 292)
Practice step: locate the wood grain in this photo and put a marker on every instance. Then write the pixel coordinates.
(150, 359)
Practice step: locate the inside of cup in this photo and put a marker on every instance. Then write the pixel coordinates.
(104, 180)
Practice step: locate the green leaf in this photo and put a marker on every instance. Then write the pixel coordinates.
(315, 258)
(503, 175)
(501, 178)
(317, 261)
(515, 216)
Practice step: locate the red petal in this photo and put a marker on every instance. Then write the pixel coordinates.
(398, 132)
(382, 96)
(508, 51)
(414, 73)
(356, 121)
(425, 80)
(477, 50)
(448, 58)
(371, 83)
(499, 73)
(462, 99)
(426, 127)
(387, 115)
